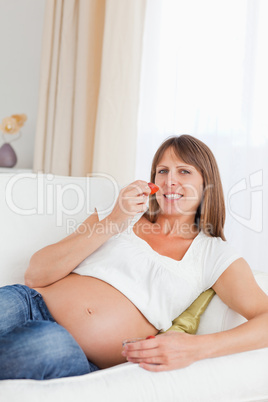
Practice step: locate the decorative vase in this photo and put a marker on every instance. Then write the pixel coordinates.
(8, 157)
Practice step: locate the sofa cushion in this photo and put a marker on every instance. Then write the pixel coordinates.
(235, 378)
(219, 317)
(189, 320)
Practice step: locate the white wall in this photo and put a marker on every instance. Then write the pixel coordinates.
(21, 25)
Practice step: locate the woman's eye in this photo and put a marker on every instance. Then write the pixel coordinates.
(185, 171)
(162, 171)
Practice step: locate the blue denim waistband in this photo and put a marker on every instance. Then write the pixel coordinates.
(42, 305)
(36, 303)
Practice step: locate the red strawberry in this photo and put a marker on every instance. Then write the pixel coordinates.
(154, 188)
(150, 337)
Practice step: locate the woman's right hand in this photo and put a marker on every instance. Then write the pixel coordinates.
(56, 261)
(132, 200)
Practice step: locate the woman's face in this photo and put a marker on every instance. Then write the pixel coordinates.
(180, 186)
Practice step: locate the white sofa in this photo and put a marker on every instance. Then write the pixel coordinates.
(40, 209)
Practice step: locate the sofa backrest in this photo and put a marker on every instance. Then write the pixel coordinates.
(37, 210)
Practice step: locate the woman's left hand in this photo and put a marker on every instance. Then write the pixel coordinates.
(168, 351)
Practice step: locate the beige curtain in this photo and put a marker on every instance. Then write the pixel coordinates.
(89, 88)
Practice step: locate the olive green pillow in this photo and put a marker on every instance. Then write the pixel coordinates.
(189, 320)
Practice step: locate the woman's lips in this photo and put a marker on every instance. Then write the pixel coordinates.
(173, 196)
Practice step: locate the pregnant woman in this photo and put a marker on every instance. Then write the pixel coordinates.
(129, 275)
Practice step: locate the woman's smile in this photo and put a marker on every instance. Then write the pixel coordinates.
(173, 196)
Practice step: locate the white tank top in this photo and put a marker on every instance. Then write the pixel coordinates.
(160, 287)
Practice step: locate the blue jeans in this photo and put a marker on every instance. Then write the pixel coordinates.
(32, 344)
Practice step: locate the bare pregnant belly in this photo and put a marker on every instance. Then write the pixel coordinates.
(97, 315)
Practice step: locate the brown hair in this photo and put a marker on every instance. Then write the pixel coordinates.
(210, 215)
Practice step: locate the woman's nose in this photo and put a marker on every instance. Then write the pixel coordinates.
(172, 179)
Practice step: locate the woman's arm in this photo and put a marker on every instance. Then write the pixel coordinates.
(238, 289)
(56, 261)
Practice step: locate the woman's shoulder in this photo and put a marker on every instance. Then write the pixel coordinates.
(217, 256)
(215, 248)
(212, 241)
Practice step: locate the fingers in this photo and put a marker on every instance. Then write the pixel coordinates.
(133, 198)
(150, 359)
(137, 188)
(146, 344)
(133, 205)
(147, 360)
(141, 351)
(154, 367)
(158, 362)
(139, 355)
(131, 201)
(167, 351)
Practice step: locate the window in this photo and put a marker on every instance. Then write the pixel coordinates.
(204, 73)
